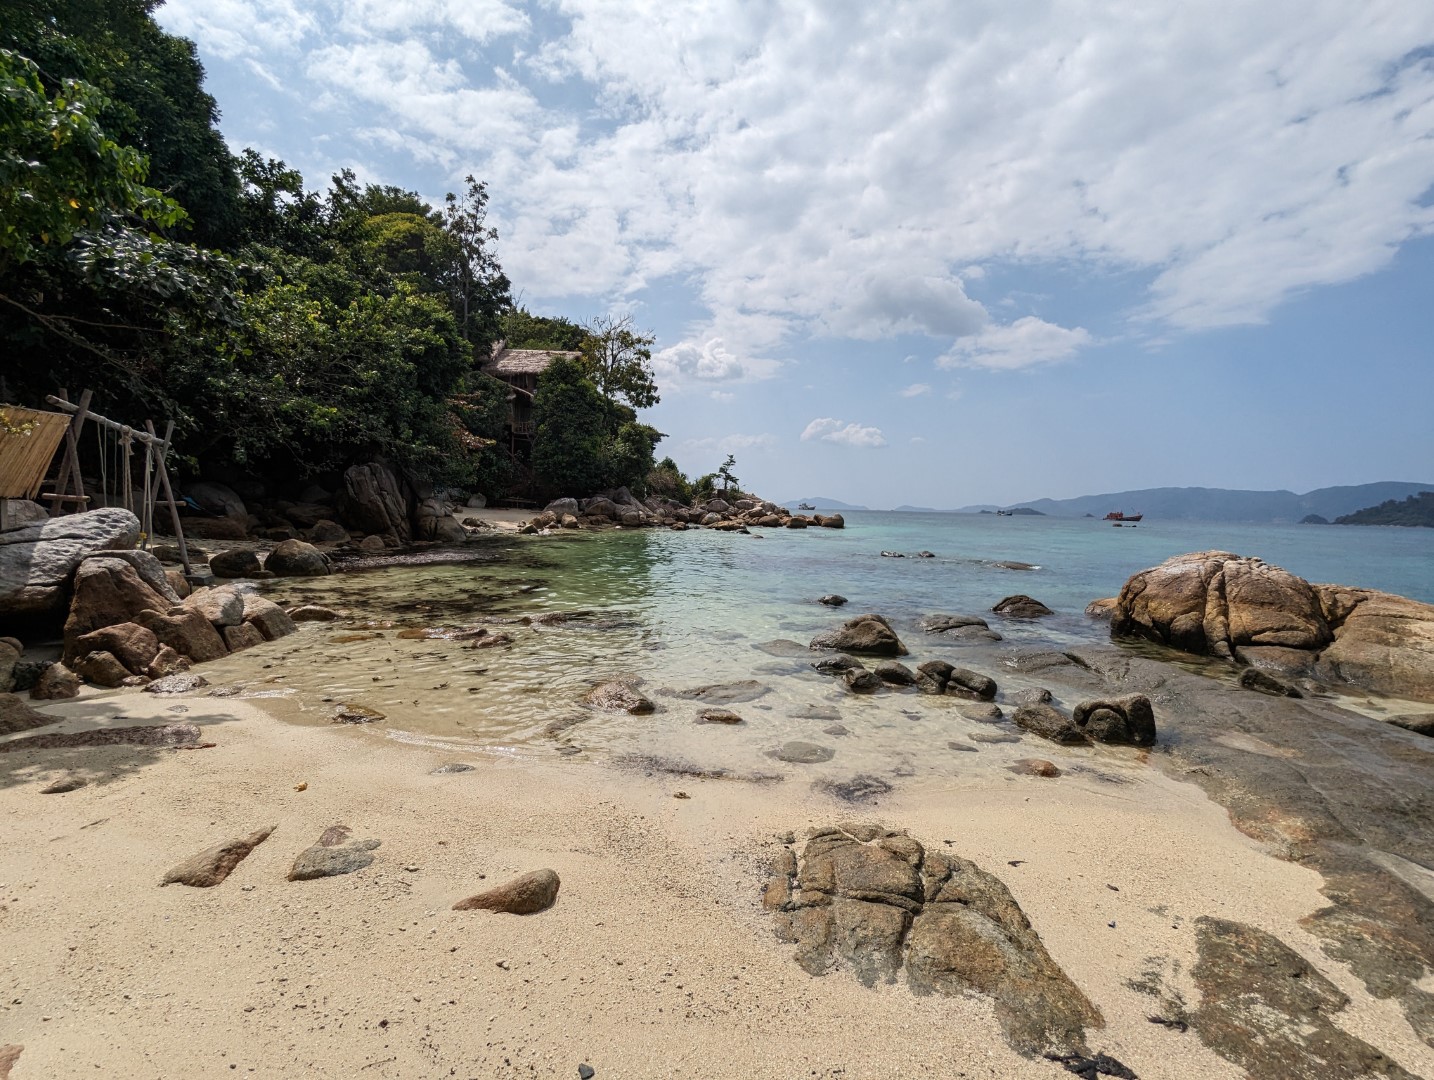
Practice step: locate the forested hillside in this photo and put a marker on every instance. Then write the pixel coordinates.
(1416, 510)
(288, 330)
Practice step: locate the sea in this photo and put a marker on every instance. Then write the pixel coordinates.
(677, 612)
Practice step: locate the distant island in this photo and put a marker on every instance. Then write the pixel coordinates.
(1022, 511)
(1234, 505)
(819, 502)
(1417, 509)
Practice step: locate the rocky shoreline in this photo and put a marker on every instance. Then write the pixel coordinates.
(1318, 787)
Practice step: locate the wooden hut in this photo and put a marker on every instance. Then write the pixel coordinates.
(520, 368)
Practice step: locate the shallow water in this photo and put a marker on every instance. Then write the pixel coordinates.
(683, 610)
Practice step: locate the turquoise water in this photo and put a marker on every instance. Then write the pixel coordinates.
(680, 610)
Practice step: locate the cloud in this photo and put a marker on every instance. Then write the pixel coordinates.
(915, 390)
(829, 430)
(722, 397)
(1023, 343)
(841, 171)
(731, 444)
(707, 361)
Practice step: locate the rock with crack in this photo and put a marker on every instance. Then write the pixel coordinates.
(1050, 723)
(876, 903)
(333, 854)
(212, 865)
(525, 895)
(1265, 1008)
(1127, 720)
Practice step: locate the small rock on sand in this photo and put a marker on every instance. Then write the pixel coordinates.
(452, 767)
(525, 895)
(1035, 767)
(182, 683)
(718, 716)
(802, 753)
(65, 783)
(333, 854)
(356, 714)
(212, 865)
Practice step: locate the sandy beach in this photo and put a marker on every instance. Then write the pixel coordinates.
(657, 959)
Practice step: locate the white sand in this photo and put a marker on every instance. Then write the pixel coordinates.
(656, 961)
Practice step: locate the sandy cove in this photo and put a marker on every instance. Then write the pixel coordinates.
(657, 959)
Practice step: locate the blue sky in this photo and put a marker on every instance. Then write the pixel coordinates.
(929, 253)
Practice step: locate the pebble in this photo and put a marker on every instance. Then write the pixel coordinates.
(503, 964)
(586, 1072)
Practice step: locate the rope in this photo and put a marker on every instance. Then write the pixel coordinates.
(104, 469)
(127, 477)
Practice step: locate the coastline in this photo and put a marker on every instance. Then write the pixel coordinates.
(656, 960)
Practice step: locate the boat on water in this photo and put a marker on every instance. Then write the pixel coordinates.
(1116, 515)
(1003, 513)
(805, 506)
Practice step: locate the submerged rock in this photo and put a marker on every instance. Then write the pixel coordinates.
(723, 693)
(619, 695)
(875, 903)
(1021, 606)
(802, 753)
(1050, 723)
(832, 600)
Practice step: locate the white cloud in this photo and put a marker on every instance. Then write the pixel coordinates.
(707, 361)
(722, 397)
(1023, 343)
(730, 444)
(836, 431)
(845, 170)
(915, 390)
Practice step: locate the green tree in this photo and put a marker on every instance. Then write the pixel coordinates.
(618, 358)
(729, 481)
(479, 289)
(521, 329)
(571, 417)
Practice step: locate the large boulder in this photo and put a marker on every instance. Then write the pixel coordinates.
(37, 561)
(1021, 606)
(559, 507)
(235, 563)
(599, 506)
(186, 632)
(1127, 720)
(267, 617)
(1213, 602)
(432, 521)
(877, 903)
(9, 657)
(22, 512)
(132, 645)
(222, 605)
(218, 499)
(294, 558)
(375, 500)
(1381, 642)
(115, 588)
(869, 634)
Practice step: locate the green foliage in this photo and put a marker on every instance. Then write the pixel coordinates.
(619, 360)
(61, 175)
(586, 442)
(1415, 510)
(667, 481)
(521, 329)
(729, 481)
(477, 287)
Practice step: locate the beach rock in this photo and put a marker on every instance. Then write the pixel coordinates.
(110, 590)
(186, 632)
(940, 624)
(171, 736)
(325, 531)
(802, 753)
(179, 583)
(216, 528)
(870, 634)
(308, 515)
(831, 521)
(101, 668)
(64, 784)
(451, 768)
(267, 617)
(1126, 721)
(560, 507)
(619, 695)
(832, 600)
(724, 693)
(22, 512)
(476, 501)
(312, 613)
(1101, 609)
(1035, 695)
(333, 854)
(1269, 1011)
(294, 558)
(374, 545)
(1012, 564)
(963, 682)
(15, 715)
(181, 683)
(432, 521)
(1212, 602)
(983, 712)
(1265, 683)
(37, 561)
(718, 716)
(861, 788)
(167, 662)
(212, 865)
(217, 499)
(796, 522)
(242, 636)
(55, 682)
(838, 665)
(356, 714)
(872, 902)
(374, 500)
(222, 606)
(131, 644)
(1382, 642)
(1419, 723)
(1032, 766)
(602, 507)
(896, 673)
(9, 656)
(526, 895)
(862, 681)
(1021, 606)
(235, 563)
(1050, 723)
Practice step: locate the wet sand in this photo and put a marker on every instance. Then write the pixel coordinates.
(657, 959)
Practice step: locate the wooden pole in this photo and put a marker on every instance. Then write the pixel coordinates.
(163, 453)
(173, 509)
(65, 405)
(71, 463)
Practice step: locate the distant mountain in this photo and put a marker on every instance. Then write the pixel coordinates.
(1418, 509)
(1223, 504)
(915, 510)
(822, 503)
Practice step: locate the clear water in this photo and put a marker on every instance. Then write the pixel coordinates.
(681, 610)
